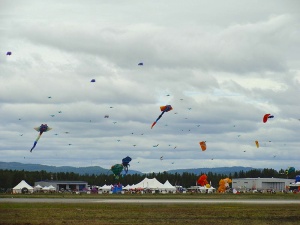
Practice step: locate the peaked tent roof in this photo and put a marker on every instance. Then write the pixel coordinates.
(149, 184)
(38, 187)
(51, 187)
(105, 187)
(169, 186)
(22, 185)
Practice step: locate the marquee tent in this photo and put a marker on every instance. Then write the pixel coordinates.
(168, 186)
(22, 187)
(38, 187)
(51, 188)
(147, 183)
(105, 187)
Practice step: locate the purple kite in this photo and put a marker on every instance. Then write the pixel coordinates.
(43, 128)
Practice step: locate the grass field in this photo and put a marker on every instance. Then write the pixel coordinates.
(139, 213)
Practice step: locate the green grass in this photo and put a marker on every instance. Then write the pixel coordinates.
(145, 214)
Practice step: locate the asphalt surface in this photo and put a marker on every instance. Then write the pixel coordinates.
(149, 201)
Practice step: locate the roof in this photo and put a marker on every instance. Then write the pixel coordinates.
(167, 185)
(149, 183)
(22, 185)
(263, 179)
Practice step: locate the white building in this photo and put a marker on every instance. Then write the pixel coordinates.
(276, 184)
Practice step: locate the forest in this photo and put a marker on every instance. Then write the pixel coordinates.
(10, 178)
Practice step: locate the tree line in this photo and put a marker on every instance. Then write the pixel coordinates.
(10, 178)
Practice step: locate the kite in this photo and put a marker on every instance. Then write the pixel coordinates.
(93, 80)
(202, 180)
(224, 184)
(164, 109)
(8, 53)
(203, 145)
(106, 116)
(257, 144)
(125, 163)
(43, 128)
(266, 117)
(140, 64)
(161, 158)
(289, 170)
(117, 169)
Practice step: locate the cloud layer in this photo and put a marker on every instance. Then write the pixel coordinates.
(221, 67)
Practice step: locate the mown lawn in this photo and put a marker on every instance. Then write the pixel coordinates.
(144, 214)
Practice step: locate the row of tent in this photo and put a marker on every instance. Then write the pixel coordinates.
(147, 184)
(23, 187)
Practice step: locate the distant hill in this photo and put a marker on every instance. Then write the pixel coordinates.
(54, 169)
(218, 170)
(99, 170)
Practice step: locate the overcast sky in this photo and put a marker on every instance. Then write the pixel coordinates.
(222, 65)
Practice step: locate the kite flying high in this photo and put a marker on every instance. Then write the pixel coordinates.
(266, 117)
(164, 109)
(43, 128)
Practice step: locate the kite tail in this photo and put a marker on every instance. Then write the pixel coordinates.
(153, 124)
(35, 142)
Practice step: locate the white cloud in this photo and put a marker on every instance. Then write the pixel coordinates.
(229, 63)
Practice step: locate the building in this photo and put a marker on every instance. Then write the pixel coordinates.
(276, 184)
(63, 185)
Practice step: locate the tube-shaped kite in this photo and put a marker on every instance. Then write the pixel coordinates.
(43, 128)
(164, 109)
(257, 144)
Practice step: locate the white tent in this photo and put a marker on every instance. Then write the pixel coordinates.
(204, 189)
(105, 187)
(127, 187)
(147, 183)
(38, 187)
(45, 188)
(169, 187)
(51, 188)
(22, 186)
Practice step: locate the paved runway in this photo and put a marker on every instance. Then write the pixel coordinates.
(150, 201)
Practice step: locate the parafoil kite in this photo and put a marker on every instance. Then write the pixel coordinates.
(266, 117)
(43, 128)
(202, 180)
(140, 64)
(164, 109)
(202, 145)
(257, 144)
(125, 163)
(93, 80)
(8, 53)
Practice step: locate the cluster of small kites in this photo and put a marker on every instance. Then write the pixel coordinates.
(118, 168)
